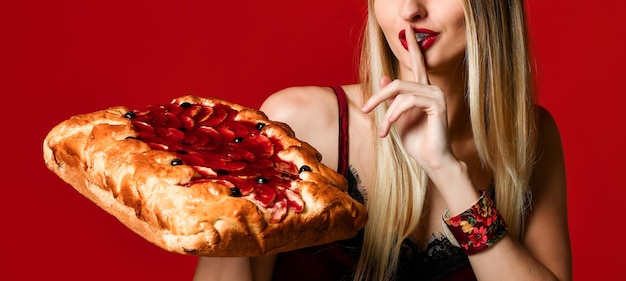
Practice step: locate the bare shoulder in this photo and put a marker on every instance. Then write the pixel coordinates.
(308, 110)
(548, 130)
(292, 104)
(547, 235)
(550, 165)
(312, 114)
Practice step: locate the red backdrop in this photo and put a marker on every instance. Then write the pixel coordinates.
(61, 58)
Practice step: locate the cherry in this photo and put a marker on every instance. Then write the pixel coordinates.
(234, 153)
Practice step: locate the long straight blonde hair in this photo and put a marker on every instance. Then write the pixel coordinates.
(501, 105)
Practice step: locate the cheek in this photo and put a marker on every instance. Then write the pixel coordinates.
(383, 15)
(459, 20)
(457, 29)
(462, 37)
(386, 21)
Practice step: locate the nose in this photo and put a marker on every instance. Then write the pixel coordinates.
(411, 10)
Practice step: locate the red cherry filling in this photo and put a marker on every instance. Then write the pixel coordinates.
(237, 154)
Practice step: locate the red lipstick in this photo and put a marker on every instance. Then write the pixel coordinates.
(425, 38)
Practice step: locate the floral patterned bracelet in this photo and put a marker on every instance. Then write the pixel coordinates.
(477, 228)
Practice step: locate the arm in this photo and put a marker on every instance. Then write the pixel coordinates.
(235, 268)
(223, 269)
(547, 234)
(418, 110)
(295, 107)
(544, 252)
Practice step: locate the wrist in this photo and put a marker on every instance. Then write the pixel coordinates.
(476, 229)
(454, 182)
(448, 167)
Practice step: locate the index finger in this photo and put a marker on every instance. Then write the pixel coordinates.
(417, 58)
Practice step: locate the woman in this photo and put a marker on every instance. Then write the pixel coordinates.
(446, 126)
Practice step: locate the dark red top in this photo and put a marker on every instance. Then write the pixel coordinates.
(337, 261)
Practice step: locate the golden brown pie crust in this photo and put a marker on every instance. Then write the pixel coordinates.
(139, 186)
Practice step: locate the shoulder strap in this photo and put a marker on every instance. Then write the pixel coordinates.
(343, 143)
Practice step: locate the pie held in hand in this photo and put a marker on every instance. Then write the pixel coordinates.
(204, 176)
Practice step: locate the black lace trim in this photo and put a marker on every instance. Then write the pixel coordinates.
(438, 261)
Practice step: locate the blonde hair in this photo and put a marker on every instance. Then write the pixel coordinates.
(501, 105)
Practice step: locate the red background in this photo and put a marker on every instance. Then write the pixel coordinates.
(61, 58)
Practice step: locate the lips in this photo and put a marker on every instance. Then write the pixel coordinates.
(424, 37)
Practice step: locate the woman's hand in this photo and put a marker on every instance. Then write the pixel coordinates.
(418, 111)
